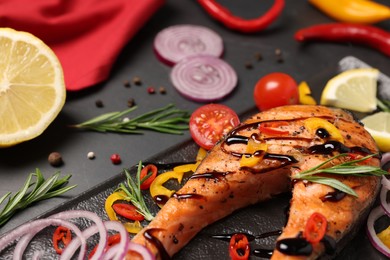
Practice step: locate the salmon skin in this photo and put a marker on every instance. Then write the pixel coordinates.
(258, 160)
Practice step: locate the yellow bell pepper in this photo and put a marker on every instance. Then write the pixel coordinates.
(251, 148)
(157, 188)
(353, 11)
(305, 97)
(131, 227)
(384, 236)
(314, 123)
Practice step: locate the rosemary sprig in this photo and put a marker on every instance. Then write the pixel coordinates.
(347, 168)
(133, 192)
(167, 119)
(42, 189)
(384, 105)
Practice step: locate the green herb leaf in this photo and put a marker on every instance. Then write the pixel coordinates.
(134, 194)
(167, 119)
(347, 168)
(25, 197)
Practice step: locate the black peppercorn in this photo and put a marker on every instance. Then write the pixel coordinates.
(99, 103)
(55, 159)
(137, 81)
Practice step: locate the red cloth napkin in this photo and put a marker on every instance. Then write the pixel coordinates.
(86, 35)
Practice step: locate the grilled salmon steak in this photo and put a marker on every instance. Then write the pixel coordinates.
(258, 160)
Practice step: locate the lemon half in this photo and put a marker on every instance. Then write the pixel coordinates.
(378, 125)
(353, 89)
(32, 88)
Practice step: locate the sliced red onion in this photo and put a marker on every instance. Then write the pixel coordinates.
(385, 158)
(179, 41)
(375, 214)
(203, 78)
(383, 195)
(32, 228)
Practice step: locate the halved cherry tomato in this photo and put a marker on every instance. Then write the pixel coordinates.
(111, 241)
(239, 247)
(272, 128)
(209, 123)
(315, 228)
(148, 169)
(275, 89)
(61, 234)
(128, 211)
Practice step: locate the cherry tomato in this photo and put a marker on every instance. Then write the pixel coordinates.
(275, 89)
(148, 169)
(111, 241)
(61, 234)
(128, 211)
(239, 247)
(209, 123)
(315, 228)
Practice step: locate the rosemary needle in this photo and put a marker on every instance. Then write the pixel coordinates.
(42, 189)
(167, 119)
(133, 192)
(347, 168)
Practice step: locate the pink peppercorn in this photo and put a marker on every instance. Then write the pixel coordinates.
(115, 158)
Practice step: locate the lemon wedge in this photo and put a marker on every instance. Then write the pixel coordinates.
(32, 88)
(353, 89)
(378, 125)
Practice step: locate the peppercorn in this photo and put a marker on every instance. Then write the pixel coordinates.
(162, 90)
(99, 103)
(115, 158)
(126, 83)
(130, 102)
(137, 81)
(258, 56)
(55, 159)
(91, 155)
(151, 90)
(249, 65)
(279, 56)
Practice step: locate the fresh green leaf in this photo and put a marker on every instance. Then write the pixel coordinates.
(31, 192)
(167, 119)
(352, 168)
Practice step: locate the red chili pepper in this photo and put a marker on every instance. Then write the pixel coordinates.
(367, 35)
(128, 211)
(271, 128)
(152, 169)
(111, 241)
(223, 15)
(61, 234)
(115, 158)
(315, 228)
(239, 247)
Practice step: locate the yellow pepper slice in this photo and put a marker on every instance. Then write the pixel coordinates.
(251, 148)
(313, 124)
(157, 188)
(191, 167)
(305, 97)
(131, 227)
(201, 154)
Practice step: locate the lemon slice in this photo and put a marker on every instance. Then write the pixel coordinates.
(378, 125)
(32, 88)
(353, 89)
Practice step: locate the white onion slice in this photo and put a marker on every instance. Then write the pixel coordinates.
(179, 41)
(203, 78)
(375, 214)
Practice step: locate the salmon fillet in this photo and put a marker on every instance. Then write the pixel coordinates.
(224, 182)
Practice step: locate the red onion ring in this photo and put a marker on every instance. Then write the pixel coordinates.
(383, 195)
(375, 214)
(203, 78)
(179, 41)
(385, 158)
(33, 228)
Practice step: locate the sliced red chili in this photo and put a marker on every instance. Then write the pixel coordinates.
(150, 170)
(111, 241)
(315, 228)
(128, 211)
(223, 15)
(355, 156)
(272, 128)
(61, 235)
(239, 247)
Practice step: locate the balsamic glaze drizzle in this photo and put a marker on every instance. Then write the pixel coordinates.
(148, 234)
